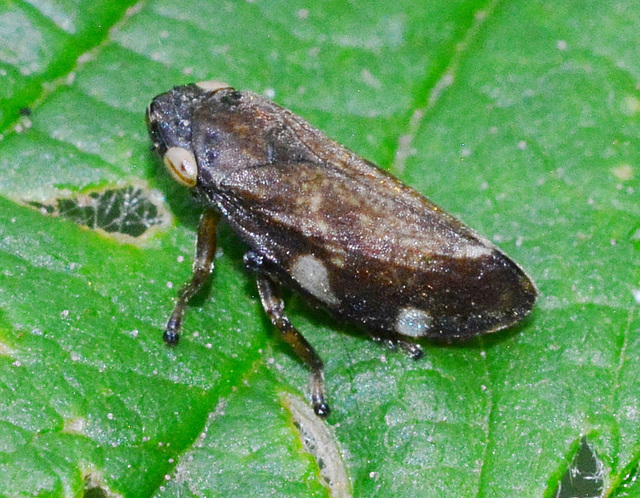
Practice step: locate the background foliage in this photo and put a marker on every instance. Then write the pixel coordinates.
(521, 118)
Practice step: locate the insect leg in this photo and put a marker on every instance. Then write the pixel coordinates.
(274, 307)
(202, 268)
(393, 341)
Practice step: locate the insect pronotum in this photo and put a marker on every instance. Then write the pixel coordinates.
(330, 225)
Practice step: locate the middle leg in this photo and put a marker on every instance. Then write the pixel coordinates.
(274, 307)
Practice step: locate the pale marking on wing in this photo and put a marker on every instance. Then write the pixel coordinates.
(312, 275)
(371, 215)
(338, 261)
(413, 322)
(473, 252)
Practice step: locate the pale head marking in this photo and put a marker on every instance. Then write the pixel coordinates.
(182, 166)
(212, 85)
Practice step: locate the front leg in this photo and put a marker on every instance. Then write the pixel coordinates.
(274, 307)
(202, 268)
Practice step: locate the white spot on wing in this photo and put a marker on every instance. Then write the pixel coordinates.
(413, 322)
(473, 252)
(312, 275)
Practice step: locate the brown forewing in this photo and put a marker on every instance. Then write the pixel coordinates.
(385, 247)
(345, 233)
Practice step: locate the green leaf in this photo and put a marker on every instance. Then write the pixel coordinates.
(523, 119)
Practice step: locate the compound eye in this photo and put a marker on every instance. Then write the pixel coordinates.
(182, 166)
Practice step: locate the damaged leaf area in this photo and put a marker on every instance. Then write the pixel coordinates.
(95, 487)
(584, 476)
(319, 441)
(130, 210)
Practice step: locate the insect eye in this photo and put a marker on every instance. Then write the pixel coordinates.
(182, 166)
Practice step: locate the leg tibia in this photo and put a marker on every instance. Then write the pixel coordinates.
(274, 307)
(202, 268)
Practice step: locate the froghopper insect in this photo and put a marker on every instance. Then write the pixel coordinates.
(330, 225)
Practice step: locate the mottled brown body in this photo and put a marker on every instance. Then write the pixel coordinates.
(333, 226)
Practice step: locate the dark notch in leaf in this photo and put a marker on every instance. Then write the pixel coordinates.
(95, 487)
(95, 493)
(129, 210)
(584, 477)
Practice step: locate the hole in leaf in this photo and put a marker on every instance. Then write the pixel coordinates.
(585, 476)
(95, 487)
(95, 493)
(129, 210)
